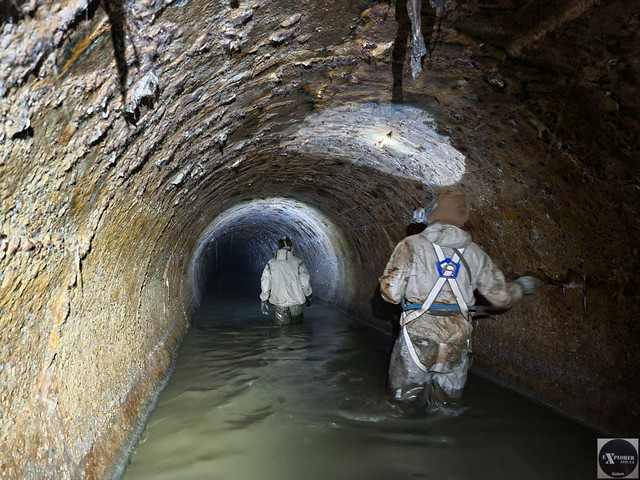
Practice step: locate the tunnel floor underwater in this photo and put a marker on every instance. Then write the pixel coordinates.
(247, 399)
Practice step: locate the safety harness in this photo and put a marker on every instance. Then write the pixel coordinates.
(448, 269)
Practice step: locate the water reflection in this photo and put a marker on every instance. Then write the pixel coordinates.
(250, 400)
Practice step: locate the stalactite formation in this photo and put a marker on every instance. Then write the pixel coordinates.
(139, 137)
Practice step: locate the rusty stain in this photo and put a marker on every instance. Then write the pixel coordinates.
(82, 45)
(545, 205)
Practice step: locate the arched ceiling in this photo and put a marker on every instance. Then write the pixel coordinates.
(136, 136)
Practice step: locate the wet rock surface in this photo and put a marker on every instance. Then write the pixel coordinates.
(128, 128)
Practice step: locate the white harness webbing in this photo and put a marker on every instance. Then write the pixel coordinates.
(448, 269)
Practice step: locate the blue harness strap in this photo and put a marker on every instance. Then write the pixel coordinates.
(414, 306)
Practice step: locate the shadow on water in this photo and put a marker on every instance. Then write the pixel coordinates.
(248, 400)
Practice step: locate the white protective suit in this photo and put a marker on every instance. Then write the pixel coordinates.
(285, 283)
(441, 338)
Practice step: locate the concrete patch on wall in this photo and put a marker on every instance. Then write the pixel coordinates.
(397, 139)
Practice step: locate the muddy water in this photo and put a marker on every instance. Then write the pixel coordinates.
(248, 400)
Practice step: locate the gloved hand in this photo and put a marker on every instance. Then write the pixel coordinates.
(308, 302)
(529, 284)
(264, 308)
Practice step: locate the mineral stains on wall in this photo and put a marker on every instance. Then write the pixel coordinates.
(135, 135)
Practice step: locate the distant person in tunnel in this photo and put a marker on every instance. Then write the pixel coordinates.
(285, 283)
(433, 275)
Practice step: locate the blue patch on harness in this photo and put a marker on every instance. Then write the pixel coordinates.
(447, 268)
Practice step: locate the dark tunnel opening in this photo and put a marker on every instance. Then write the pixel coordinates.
(231, 268)
(239, 242)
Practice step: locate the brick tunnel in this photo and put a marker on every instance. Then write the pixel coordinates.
(141, 141)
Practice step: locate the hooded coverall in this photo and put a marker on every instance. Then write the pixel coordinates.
(441, 335)
(285, 283)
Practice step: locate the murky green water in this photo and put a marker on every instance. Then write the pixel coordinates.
(248, 400)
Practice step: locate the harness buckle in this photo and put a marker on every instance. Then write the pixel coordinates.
(448, 269)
